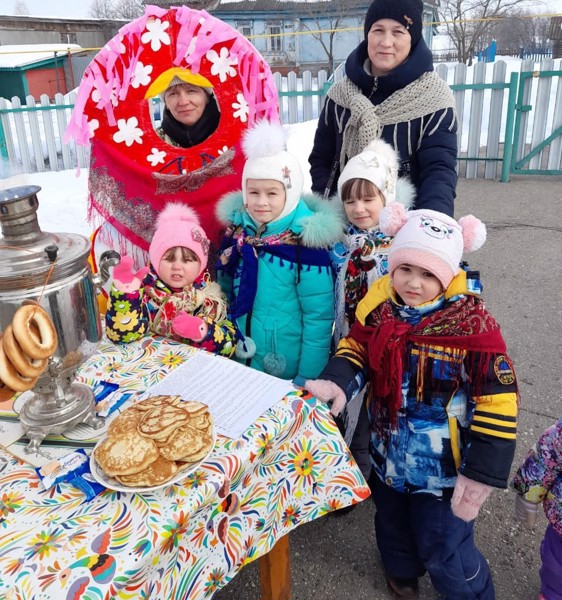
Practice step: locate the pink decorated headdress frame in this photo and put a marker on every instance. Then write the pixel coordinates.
(111, 105)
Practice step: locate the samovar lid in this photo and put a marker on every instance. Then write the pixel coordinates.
(29, 256)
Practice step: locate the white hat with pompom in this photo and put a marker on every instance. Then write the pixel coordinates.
(265, 148)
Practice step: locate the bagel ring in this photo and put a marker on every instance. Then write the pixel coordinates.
(26, 366)
(22, 322)
(10, 377)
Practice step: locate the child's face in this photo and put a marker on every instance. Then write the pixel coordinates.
(176, 271)
(265, 199)
(415, 285)
(364, 212)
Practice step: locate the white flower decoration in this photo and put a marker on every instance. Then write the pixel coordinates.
(97, 96)
(156, 156)
(223, 150)
(128, 132)
(222, 63)
(142, 75)
(92, 126)
(241, 108)
(156, 34)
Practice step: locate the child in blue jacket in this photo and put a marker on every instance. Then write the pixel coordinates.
(274, 262)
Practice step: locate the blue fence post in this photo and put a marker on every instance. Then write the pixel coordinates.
(492, 51)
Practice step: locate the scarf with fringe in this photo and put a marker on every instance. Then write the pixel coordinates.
(463, 324)
(204, 298)
(424, 96)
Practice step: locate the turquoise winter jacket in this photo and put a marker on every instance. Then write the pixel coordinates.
(291, 316)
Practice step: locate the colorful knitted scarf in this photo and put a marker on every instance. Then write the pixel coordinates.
(463, 324)
(239, 257)
(366, 263)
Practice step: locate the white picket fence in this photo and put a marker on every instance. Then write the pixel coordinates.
(32, 134)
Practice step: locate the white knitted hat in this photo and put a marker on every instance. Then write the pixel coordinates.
(265, 148)
(430, 240)
(378, 163)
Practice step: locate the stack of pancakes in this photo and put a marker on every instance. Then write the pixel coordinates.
(150, 441)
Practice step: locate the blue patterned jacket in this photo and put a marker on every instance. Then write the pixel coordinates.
(444, 425)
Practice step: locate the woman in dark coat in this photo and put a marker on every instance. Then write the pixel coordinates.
(391, 91)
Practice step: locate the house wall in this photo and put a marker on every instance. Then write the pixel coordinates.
(297, 52)
(88, 33)
(302, 51)
(310, 51)
(48, 81)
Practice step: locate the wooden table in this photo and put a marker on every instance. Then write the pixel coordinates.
(186, 540)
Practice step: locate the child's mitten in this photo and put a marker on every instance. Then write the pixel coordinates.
(327, 390)
(123, 277)
(468, 497)
(190, 327)
(526, 511)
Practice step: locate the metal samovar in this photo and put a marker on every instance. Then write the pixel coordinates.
(52, 269)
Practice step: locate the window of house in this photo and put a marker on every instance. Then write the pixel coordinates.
(274, 43)
(245, 28)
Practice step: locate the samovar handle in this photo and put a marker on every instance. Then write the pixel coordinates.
(109, 258)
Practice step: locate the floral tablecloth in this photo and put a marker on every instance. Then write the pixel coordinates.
(186, 540)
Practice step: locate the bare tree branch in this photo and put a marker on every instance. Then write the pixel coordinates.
(20, 8)
(469, 22)
(325, 25)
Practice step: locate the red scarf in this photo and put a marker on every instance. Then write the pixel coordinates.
(464, 325)
(130, 194)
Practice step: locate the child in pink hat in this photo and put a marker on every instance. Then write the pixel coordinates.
(174, 295)
(441, 402)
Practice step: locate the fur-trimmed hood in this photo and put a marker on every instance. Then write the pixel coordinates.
(319, 222)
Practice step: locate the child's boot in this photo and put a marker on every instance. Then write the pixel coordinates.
(407, 589)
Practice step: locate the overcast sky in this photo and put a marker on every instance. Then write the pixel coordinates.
(80, 8)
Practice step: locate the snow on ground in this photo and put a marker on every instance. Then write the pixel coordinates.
(62, 199)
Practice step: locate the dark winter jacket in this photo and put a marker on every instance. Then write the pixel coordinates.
(431, 166)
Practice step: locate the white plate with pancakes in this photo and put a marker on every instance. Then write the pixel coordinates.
(152, 444)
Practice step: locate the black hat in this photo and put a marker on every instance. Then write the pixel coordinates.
(407, 12)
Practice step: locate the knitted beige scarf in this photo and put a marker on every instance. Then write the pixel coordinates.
(428, 94)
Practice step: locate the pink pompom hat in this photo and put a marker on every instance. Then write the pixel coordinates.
(430, 240)
(178, 225)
